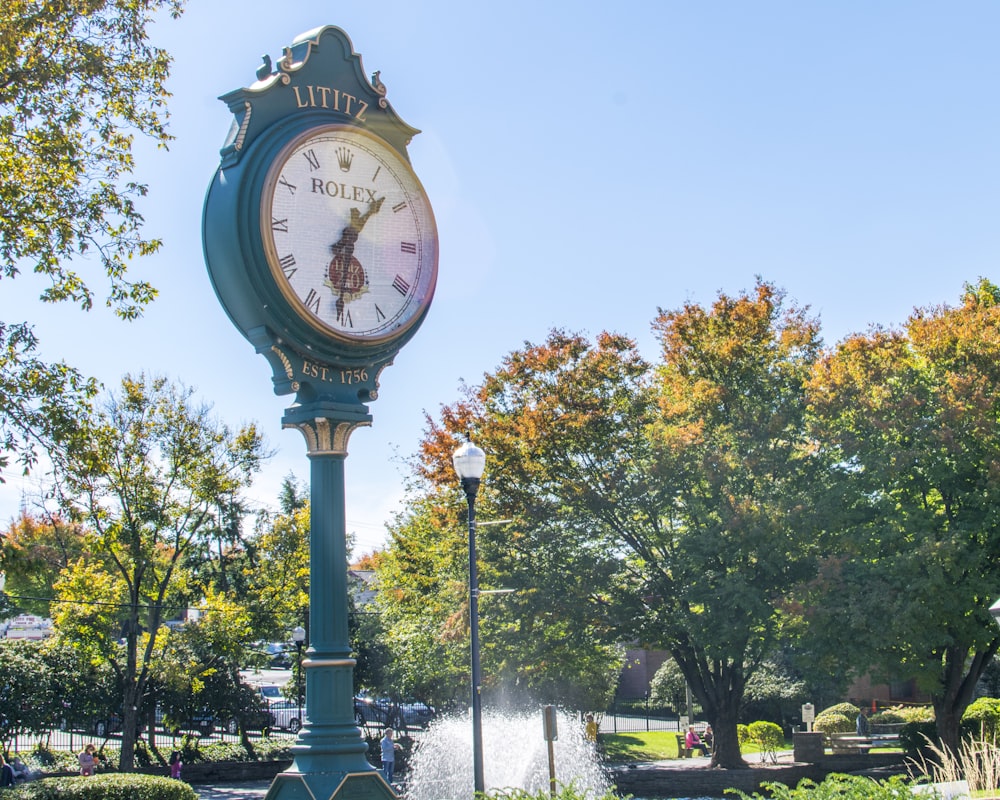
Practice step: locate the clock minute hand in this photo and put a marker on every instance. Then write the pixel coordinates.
(344, 247)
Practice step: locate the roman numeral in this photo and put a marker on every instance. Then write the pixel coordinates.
(312, 302)
(408, 247)
(288, 265)
(290, 186)
(398, 207)
(400, 285)
(280, 225)
(312, 158)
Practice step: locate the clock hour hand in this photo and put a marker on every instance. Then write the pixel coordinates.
(347, 278)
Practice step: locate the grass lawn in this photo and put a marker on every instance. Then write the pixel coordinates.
(648, 746)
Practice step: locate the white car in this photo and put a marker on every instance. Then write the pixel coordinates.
(287, 715)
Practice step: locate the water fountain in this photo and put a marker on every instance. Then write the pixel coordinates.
(515, 756)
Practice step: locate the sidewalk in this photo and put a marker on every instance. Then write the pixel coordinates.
(247, 790)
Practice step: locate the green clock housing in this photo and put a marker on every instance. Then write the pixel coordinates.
(319, 238)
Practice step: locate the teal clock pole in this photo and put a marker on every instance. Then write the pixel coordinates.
(322, 248)
(329, 755)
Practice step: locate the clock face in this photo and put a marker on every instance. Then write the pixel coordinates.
(349, 235)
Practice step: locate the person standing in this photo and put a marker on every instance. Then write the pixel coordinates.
(87, 760)
(175, 764)
(388, 755)
(591, 728)
(861, 723)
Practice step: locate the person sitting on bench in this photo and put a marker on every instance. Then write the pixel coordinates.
(693, 742)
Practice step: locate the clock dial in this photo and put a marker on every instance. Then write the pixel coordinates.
(349, 234)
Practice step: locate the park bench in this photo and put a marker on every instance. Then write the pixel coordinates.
(848, 743)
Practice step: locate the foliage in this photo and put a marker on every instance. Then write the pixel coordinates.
(563, 792)
(35, 550)
(154, 477)
(976, 761)
(835, 787)
(981, 719)
(839, 718)
(77, 83)
(104, 787)
(914, 738)
(909, 421)
(668, 686)
(768, 738)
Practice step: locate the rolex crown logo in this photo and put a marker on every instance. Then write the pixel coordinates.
(344, 159)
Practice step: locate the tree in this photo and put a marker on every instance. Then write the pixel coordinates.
(35, 551)
(911, 421)
(670, 504)
(77, 83)
(144, 473)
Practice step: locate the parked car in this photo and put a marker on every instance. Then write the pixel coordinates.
(201, 720)
(279, 655)
(367, 711)
(287, 715)
(254, 719)
(271, 693)
(412, 713)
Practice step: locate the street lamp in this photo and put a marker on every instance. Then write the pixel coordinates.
(469, 463)
(299, 636)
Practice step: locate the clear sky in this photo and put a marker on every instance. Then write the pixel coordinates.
(587, 163)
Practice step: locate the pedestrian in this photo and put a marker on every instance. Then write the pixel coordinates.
(693, 742)
(591, 728)
(175, 764)
(861, 723)
(389, 748)
(87, 760)
(6, 774)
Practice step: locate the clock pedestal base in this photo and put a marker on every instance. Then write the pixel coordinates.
(291, 785)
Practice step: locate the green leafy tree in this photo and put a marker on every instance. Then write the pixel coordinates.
(78, 82)
(23, 679)
(911, 421)
(670, 503)
(144, 473)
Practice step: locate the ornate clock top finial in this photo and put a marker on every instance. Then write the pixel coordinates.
(264, 70)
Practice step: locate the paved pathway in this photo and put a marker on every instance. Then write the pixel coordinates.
(248, 790)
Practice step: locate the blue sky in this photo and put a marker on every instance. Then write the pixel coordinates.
(588, 163)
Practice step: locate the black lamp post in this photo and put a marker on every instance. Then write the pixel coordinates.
(469, 463)
(299, 636)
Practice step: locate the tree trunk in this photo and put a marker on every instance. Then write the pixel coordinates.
(726, 746)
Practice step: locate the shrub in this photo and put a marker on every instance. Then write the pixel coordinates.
(982, 719)
(768, 737)
(916, 738)
(104, 787)
(840, 718)
(563, 792)
(836, 787)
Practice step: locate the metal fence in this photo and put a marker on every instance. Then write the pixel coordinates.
(630, 716)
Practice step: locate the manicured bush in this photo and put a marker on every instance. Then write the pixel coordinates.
(840, 718)
(981, 719)
(768, 737)
(104, 787)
